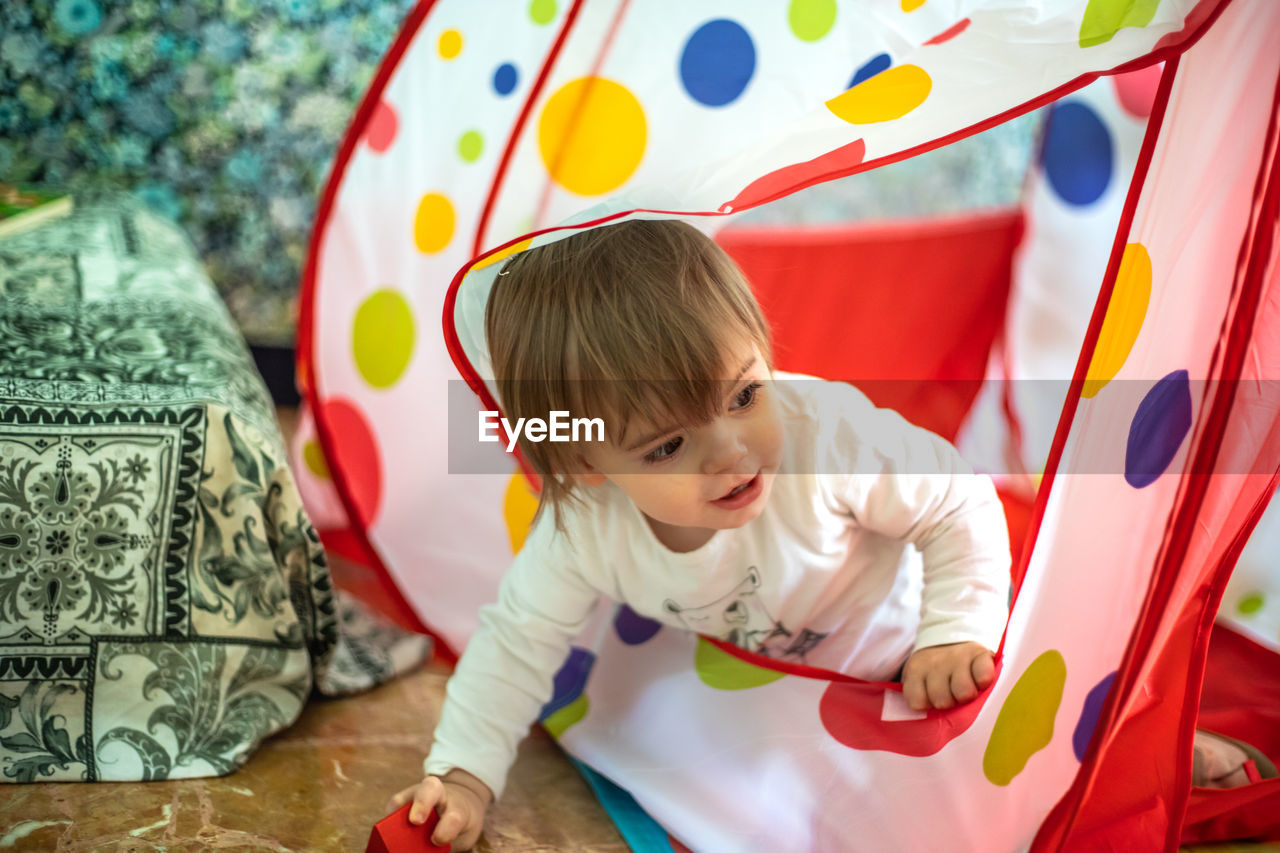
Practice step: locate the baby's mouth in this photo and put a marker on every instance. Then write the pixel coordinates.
(741, 494)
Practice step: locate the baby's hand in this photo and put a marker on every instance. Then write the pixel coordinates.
(942, 676)
(460, 798)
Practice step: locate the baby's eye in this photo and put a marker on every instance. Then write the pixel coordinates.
(664, 451)
(746, 397)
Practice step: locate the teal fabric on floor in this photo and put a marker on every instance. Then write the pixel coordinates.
(642, 833)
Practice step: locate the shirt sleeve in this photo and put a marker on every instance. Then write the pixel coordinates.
(505, 674)
(907, 483)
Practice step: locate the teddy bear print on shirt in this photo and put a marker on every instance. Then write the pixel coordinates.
(740, 617)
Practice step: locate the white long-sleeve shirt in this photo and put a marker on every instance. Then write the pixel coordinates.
(877, 540)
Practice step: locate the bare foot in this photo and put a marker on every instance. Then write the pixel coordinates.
(1217, 762)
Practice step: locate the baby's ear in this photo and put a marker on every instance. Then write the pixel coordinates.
(586, 475)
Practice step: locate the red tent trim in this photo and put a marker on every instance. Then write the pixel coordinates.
(1250, 275)
(517, 129)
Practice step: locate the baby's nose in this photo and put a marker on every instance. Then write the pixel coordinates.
(727, 450)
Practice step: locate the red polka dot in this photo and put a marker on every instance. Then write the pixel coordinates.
(950, 32)
(357, 464)
(791, 178)
(382, 128)
(1136, 90)
(864, 716)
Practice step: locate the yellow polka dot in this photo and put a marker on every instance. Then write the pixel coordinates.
(450, 44)
(557, 722)
(1024, 725)
(313, 456)
(911, 5)
(382, 336)
(890, 94)
(1125, 313)
(434, 222)
(591, 135)
(518, 507)
(497, 257)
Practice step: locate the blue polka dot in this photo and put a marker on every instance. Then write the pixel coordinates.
(634, 629)
(873, 67)
(1161, 423)
(1089, 716)
(569, 681)
(1077, 153)
(717, 62)
(505, 79)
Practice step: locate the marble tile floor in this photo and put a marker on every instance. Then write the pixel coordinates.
(318, 786)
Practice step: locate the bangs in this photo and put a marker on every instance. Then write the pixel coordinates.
(639, 324)
(652, 324)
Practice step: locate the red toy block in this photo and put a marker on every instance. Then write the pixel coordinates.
(394, 834)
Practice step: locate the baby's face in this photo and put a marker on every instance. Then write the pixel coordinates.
(714, 476)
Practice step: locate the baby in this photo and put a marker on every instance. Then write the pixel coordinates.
(788, 516)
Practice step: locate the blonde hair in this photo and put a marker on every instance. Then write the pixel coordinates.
(637, 317)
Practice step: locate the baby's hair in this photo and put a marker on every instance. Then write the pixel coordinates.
(626, 319)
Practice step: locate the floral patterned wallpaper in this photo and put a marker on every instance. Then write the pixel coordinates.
(223, 115)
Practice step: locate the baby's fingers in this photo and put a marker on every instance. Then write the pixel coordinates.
(938, 684)
(453, 820)
(913, 691)
(962, 685)
(425, 796)
(401, 798)
(983, 668)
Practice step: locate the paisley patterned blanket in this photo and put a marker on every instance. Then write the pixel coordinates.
(164, 600)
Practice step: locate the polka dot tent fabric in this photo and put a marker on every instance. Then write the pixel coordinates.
(476, 141)
(1074, 197)
(1251, 602)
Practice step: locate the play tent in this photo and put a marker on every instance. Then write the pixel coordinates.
(492, 127)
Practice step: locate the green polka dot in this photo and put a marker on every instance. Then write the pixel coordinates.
(1250, 604)
(542, 11)
(723, 671)
(470, 145)
(556, 723)
(810, 20)
(382, 338)
(1104, 18)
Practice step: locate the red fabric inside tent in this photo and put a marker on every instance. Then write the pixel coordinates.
(830, 293)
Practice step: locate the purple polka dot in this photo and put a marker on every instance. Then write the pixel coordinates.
(634, 629)
(569, 681)
(1161, 423)
(1089, 716)
(872, 67)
